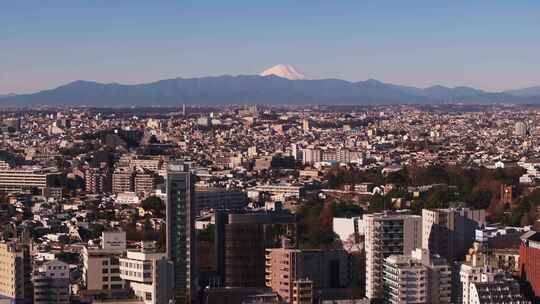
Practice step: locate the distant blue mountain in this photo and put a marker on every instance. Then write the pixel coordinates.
(248, 89)
(7, 95)
(526, 92)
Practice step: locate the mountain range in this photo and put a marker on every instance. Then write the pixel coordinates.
(272, 88)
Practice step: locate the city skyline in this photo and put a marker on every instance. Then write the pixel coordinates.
(486, 44)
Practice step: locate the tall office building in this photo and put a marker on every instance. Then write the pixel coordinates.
(388, 234)
(15, 271)
(241, 239)
(450, 232)
(181, 230)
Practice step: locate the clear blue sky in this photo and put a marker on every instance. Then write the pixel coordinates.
(490, 44)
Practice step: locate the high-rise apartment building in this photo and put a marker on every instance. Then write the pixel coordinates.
(419, 278)
(405, 280)
(439, 276)
(450, 232)
(123, 180)
(180, 230)
(388, 233)
(311, 155)
(51, 282)
(15, 272)
(323, 268)
(97, 180)
(144, 182)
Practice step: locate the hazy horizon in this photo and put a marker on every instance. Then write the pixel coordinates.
(487, 45)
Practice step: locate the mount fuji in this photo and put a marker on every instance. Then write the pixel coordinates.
(284, 71)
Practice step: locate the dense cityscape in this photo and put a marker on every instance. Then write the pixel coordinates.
(269, 152)
(260, 204)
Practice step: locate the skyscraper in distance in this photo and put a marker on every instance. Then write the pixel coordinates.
(180, 229)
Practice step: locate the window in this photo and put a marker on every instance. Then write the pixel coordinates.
(148, 296)
(105, 270)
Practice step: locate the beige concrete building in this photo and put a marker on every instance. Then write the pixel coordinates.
(144, 182)
(15, 271)
(123, 180)
(101, 265)
(149, 274)
(450, 232)
(101, 271)
(21, 179)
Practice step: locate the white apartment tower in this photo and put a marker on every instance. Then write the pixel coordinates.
(388, 234)
(405, 280)
(419, 278)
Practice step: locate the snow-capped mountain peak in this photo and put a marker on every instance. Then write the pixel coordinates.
(284, 71)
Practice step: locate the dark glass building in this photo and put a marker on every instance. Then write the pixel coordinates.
(181, 242)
